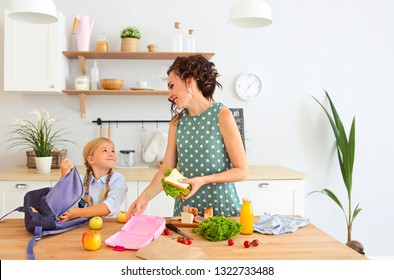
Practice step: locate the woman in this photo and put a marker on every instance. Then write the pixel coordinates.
(204, 143)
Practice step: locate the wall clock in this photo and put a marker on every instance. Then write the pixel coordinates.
(248, 86)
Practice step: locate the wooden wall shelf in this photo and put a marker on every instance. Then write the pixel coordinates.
(123, 55)
(115, 92)
(133, 55)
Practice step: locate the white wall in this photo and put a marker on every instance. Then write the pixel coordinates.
(345, 47)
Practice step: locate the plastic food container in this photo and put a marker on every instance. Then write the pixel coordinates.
(138, 232)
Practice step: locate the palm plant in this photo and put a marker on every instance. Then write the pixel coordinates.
(345, 151)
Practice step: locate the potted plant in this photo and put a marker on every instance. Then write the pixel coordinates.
(41, 136)
(345, 150)
(130, 36)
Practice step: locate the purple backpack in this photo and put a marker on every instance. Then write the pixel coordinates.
(44, 206)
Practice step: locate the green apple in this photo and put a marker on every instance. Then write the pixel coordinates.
(96, 223)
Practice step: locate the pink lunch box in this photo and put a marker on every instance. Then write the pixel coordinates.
(138, 232)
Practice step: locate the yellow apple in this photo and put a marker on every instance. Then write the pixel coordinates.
(96, 223)
(91, 240)
(121, 217)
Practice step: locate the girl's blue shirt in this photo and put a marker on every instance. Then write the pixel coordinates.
(116, 194)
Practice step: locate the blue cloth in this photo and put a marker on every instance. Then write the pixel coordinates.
(116, 194)
(278, 224)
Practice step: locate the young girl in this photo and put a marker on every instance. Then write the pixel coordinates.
(104, 188)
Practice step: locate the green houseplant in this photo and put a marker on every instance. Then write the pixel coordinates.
(345, 151)
(42, 136)
(130, 36)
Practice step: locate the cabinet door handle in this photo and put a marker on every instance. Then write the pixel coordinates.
(264, 185)
(21, 186)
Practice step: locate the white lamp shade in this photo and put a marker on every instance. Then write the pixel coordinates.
(250, 14)
(33, 11)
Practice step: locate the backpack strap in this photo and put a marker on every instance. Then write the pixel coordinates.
(19, 209)
(30, 245)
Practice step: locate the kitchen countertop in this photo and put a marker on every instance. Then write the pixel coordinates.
(264, 172)
(307, 243)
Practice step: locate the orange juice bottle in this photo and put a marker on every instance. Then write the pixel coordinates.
(246, 216)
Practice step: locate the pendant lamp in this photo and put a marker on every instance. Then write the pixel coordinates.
(250, 14)
(33, 11)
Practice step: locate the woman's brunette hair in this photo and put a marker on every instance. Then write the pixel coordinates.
(201, 70)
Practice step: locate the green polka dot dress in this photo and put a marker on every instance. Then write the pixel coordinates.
(201, 152)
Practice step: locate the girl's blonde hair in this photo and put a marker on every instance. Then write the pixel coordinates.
(88, 151)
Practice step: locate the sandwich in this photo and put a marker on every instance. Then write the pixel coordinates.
(172, 184)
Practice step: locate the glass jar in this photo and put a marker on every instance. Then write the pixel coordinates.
(102, 43)
(127, 158)
(82, 82)
(246, 216)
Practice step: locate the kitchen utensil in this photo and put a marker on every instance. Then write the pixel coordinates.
(82, 64)
(112, 84)
(177, 230)
(83, 27)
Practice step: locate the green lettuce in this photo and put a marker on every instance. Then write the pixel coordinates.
(218, 228)
(172, 191)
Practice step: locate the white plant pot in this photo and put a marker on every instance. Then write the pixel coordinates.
(43, 164)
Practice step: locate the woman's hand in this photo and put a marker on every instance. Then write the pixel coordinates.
(138, 207)
(65, 167)
(196, 183)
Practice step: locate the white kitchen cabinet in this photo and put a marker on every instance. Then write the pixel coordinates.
(284, 197)
(131, 195)
(13, 192)
(161, 205)
(33, 59)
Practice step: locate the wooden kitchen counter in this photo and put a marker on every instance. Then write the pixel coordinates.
(307, 243)
(264, 172)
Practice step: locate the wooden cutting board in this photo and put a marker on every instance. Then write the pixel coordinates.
(177, 223)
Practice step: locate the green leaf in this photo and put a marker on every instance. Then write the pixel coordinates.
(355, 212)
(331, 195)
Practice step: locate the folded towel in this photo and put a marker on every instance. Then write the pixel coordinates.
(278, 224)
(156, 147)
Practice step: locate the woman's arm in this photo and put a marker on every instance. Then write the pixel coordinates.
(155, 187)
